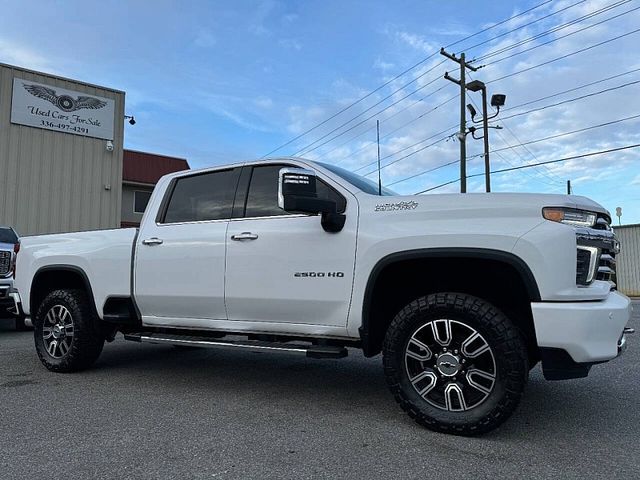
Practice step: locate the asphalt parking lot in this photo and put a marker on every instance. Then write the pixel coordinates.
(158, 412)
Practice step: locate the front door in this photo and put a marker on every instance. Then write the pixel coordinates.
(180, 256)
(285, 268)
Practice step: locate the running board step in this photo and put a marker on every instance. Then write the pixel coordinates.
(311, 351)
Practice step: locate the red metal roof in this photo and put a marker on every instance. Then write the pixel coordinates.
(144, 167)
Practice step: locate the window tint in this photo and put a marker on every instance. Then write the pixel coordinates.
(208, 196)
(358, 181)
(262, 197)
(7, 235)
(140, 201)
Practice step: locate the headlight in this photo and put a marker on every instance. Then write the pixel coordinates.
(570, 216)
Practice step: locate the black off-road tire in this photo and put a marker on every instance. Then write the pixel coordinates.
(87, 341)
(507, 347)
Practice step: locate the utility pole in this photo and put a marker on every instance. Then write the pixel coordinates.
(463, 121)
(568, 187)
(379, 177)
(485, 138)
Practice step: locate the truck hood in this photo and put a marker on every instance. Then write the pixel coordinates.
(505, 204)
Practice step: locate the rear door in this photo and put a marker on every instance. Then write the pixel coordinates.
(283, 267)
(180, 257)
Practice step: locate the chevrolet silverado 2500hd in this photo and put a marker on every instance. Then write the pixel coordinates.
(462, 294)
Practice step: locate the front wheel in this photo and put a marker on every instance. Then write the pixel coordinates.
(455, 363)
(65, 332)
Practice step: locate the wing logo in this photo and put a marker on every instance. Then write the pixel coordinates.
(64, 102)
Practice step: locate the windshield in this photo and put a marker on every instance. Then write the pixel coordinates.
(7, 235)
(364, 184)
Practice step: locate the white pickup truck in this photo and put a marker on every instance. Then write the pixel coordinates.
(462, 294)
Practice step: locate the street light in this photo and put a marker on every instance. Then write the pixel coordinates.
(497, 101)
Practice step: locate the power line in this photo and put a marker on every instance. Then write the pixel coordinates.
(522, 26)
(561, 37)
(510, 75)
(521, 144)
(407, 148)
(305, 150)
(559, 135)
(411, 154)
(506, 118)
(416, 65)
(581, 97)
(557, 28)
(565, 56)
(546, 97)
(504, 140)
(386, 119)
(571, 89)
(558, 160)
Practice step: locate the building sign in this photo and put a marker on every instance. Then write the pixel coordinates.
(43, 106)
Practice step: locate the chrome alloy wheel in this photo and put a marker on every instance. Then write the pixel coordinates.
(57, 331)
(450, 365)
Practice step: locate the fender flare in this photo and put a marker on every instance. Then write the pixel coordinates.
(455, 252)
(66, 268)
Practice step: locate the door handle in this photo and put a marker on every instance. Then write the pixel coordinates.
(244, 236)
(152, 241)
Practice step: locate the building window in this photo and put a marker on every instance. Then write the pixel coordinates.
(140, 201)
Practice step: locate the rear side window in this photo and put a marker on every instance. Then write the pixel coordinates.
(208, 196)
(262, 197)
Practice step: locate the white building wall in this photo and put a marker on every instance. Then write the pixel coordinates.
(628, 260)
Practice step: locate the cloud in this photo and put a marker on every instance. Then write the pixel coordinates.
(291, 43)
(415, 41)
(16, 54)
(382, 65)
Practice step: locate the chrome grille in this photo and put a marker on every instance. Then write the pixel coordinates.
(604, 245)
(5, 262)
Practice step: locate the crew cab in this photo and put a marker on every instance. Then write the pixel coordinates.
(461, 293)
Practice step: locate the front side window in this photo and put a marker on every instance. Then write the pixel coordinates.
(262, 197)
(207, 196)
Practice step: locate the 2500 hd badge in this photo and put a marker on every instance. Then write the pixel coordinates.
(319, 274)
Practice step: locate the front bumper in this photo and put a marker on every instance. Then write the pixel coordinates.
(589, 332)
(14, 306)
(6, 302)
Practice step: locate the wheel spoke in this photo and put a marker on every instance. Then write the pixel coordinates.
(432, 380)
(490, 378)
(441, 331)
(454, 398)
(64, 348)
(420, 346)
(482, 347)
(58, 331)
(52, 347)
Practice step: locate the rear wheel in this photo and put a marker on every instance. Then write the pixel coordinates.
(65, 331)
(455, 363)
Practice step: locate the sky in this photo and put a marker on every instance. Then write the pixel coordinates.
(218, 82)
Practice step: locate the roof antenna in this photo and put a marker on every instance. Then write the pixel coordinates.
(379, 179)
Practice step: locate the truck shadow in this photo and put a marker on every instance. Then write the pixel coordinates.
(355, 385)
